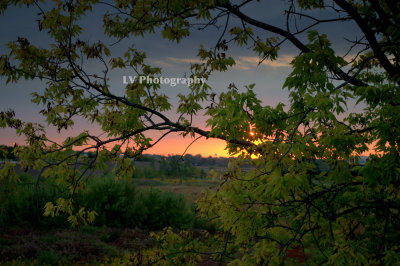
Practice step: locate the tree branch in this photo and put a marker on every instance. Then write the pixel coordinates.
(370, 36)
(292, 38)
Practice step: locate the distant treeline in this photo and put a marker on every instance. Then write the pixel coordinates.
(195, 160)
(188, 166)
(168, 167)
(157, 166)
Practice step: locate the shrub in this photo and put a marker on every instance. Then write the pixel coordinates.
(161, 209)
(23, 205)
(120, 204)
(111, 200)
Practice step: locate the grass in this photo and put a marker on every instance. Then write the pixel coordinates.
(191, 189)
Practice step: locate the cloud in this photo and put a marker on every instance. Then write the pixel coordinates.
(173, 61)
(160, 63)
(242, 62)
(184, 60)
(247, 62)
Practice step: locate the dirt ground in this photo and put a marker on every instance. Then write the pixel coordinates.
(85, 245)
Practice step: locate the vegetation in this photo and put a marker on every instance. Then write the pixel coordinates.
(346, 216)
(117, 204)
(22, 203)
(124, 215)
(122, 205)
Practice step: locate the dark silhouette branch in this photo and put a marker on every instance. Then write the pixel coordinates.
(289, 36)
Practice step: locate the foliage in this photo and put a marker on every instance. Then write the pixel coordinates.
(6, 152)
(346, 215)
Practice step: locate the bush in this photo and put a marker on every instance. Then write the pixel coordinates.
(161, 209)
(120, 204)
(21, 204)
(111, 200)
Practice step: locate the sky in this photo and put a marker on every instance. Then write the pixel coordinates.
(175, 61)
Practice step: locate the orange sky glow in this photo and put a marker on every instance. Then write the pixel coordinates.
(204, 147)
(170, 145)
(173, 145)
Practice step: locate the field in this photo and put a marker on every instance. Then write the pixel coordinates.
(190, 189)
